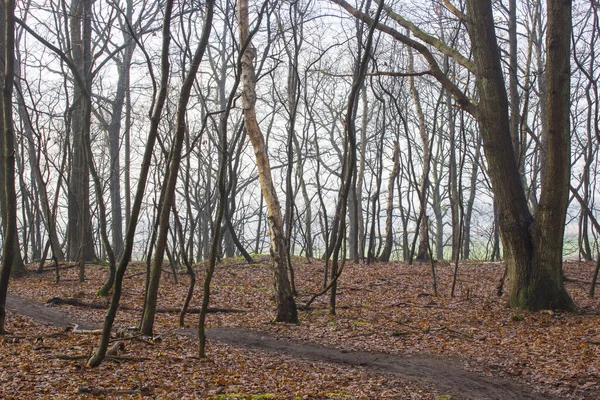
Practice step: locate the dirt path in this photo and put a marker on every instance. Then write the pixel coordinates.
(448, 375)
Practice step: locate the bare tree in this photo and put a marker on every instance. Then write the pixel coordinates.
(17, 264)
(9, 249)
(158, 105)
(286, 306)
(147, 323)
(80, 242)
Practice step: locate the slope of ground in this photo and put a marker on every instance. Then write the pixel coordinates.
(387, 320)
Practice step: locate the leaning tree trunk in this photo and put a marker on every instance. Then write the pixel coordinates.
(286, 306)
(532, 245)
(147, 323)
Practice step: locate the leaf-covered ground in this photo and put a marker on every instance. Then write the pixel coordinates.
(384, 308)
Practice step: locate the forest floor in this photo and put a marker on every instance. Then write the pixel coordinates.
(392, 338)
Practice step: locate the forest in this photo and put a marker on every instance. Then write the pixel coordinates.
(286, 199)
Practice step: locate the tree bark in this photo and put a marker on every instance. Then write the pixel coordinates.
(80, 239)
(286, 306)
(389, 234)
(18, 266)
(532, 246)
(9, 252)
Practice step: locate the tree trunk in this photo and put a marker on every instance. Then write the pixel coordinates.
(100, 353)
(532, 247)
(423, 252)
(468, 212)
(147, 323)
(360, 176)
(17, 264)
(80, 239)
(9, 253)
(114, 136)
(389, 233)
(286, 306)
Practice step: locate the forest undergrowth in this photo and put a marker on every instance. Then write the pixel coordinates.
(385, 308)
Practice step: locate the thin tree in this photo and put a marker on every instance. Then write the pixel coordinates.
(389, 234)
(286, 306)
(147, 323)
(157, 108)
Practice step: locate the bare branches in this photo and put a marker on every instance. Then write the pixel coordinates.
(431, 40)
(452, 8)
(376, 73)
(461, 98)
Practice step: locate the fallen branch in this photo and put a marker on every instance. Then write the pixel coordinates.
(113, 358)
(115, 348)
(409, 305)
(71, 358)
(75, 329)
(127, 358)
(575, 280)
(136, 274)
(105, 392)
(76, 302)
(11, 338)
(52, 268)
(197, 310)
(358, 289)
(99, 306)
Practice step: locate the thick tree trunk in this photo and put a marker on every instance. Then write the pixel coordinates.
(423, 252)
(80, 239)
(286, 306)
(9, 253)
(548, 229)
(18, 266)
(532, 248)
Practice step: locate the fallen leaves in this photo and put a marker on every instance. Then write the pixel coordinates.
(387, 308)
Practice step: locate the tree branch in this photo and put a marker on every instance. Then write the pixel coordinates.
(431, 40)
(461, 98)
(376, 73)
